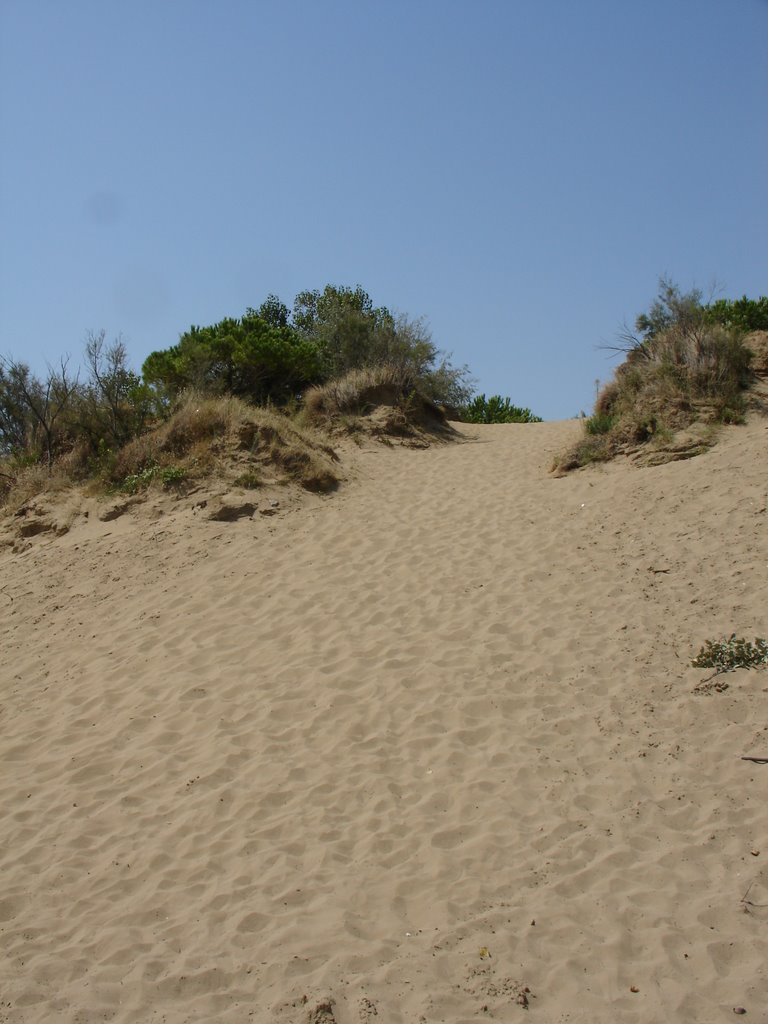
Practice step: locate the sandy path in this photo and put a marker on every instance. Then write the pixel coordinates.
(334, 764)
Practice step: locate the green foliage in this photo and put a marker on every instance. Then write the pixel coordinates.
(447, 385)
(344, 325)
(266, 357)
(496, 410)
(744, 314)
(733, 413)
(671, 308)
(258, 357)
(168, 475)
(732, 653)
(353, 334)
(250, 479)
(598, 423)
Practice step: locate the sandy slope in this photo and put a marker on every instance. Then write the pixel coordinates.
(402, 753)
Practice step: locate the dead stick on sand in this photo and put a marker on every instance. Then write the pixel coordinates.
(757, 760)
(749, 903)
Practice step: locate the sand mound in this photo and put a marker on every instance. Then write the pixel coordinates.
(428, 749)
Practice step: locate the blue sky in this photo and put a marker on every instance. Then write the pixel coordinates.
(519, 173)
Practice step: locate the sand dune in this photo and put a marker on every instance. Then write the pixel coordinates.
(429, 749)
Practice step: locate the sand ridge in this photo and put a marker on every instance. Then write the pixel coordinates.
(428, 749)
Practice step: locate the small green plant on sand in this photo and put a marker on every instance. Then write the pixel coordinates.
(599, 423)
(136, 482)
(249, 480)
(733, 653)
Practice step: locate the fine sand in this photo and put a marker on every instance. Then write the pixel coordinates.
(428, 749)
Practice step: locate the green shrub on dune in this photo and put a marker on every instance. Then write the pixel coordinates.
(496, 410)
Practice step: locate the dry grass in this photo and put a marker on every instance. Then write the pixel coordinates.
(757, 343)
(204, 437)
(680, 378)
(18, 485)
(381, 400)
(207, 435)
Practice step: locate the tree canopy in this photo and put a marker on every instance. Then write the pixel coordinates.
(270, 355)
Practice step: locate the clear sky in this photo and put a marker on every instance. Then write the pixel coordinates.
(519, 172)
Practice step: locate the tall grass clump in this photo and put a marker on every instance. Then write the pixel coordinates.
(385, 399)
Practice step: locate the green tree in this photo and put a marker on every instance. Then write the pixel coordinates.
(343, 322)
(258, 356)
(352, 333)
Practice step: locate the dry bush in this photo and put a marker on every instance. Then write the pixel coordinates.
(757, 343)
(273, 440)
(386, 399)
(360, 391)
(685, 374)
(606, 399)
(20, 485)
(196, 423)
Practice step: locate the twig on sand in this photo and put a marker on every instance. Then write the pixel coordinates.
(749, 903)
(756, 760)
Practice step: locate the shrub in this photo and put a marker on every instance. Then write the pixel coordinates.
(393, 392)
(598, 423)
(591, 448)
(170, 475)
(732, 653)
(249, 480)
(745, 314)
(352, 334)
(361, 390)
(682, 368)
(496, 410)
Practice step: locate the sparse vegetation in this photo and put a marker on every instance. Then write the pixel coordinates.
(206, 436)
(169, 476)
(122, 430)
(385, 399)
(250, 480)
(681, 367)
(599, 423)
(732, 653)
